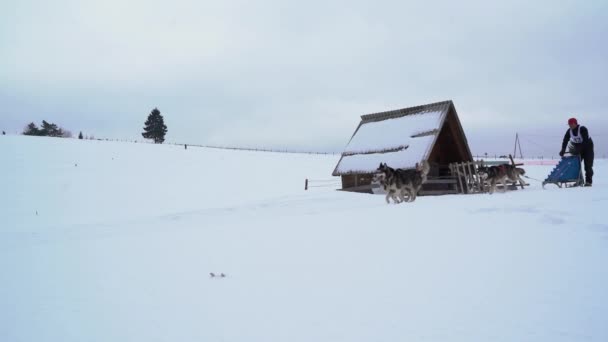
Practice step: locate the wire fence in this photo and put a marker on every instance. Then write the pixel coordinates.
(234, 148)
(322, 183)
(541, 148)
(256, 149)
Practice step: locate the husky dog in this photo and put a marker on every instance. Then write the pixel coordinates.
(391, 192)
(412, 179)
(501, 174)
(389, 179)
(402, 184)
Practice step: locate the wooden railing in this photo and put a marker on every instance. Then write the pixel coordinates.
(469, 180)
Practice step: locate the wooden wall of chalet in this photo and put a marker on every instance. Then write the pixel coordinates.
(449, 148)
(357, 182)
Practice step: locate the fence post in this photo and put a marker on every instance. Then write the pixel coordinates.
(306, 184)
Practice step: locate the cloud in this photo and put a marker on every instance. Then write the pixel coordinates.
(272, 73)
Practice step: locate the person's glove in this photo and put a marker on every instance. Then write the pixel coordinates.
(561, 153)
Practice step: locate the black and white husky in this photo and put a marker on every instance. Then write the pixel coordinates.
(384, 179)
(504, 174)
(402, 185)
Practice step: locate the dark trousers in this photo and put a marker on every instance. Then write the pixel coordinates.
(587, 156)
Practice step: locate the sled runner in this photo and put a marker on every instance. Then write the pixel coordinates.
(566, 173)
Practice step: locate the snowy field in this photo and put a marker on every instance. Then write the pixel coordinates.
(106, 241)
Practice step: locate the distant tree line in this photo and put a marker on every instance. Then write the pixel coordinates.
(46, 130)
(154, 129)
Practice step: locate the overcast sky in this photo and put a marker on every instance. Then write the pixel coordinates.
(298, 74)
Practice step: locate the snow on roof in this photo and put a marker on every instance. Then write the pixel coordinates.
(416, 151)
(393, 133)
(400, 138)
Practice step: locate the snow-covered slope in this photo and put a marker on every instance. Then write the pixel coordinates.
(104, 241)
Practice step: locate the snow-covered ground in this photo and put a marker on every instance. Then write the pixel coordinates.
(103, 241)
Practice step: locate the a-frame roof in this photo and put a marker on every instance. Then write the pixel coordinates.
(400, 138)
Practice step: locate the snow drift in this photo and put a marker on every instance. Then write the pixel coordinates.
(103, 241)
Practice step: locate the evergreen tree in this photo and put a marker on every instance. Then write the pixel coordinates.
(155, 127)
(31, 129)
(45, 128)
(51, 130)
(80, 136)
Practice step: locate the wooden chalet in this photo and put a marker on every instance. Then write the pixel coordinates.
(401, 138)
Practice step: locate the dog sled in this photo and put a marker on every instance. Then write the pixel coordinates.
(567, 173)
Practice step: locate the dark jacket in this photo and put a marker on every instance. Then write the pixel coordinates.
(585, 145)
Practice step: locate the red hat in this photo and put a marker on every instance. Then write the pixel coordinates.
(572, 121)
